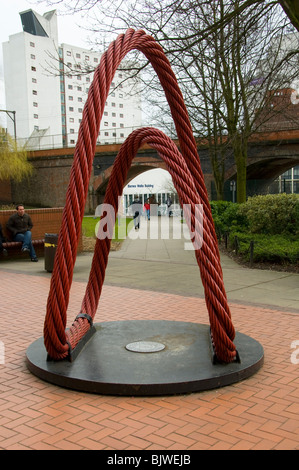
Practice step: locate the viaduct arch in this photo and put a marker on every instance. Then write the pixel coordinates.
(269, 155)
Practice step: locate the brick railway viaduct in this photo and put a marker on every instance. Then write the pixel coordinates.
(269, 155)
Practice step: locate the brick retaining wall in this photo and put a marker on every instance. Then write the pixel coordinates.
(44, 221)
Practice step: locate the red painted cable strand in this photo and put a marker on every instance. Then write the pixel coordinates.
(54, 328)
(221, 326)
(187, 195)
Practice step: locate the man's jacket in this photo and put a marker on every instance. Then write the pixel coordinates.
(17, 224)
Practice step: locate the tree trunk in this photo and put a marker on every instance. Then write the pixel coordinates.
(241, 163)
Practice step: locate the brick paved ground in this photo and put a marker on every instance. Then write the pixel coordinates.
(261, 412)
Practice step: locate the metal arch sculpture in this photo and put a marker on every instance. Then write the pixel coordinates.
(188, 179)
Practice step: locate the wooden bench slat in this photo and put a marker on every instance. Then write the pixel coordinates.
(16, 244)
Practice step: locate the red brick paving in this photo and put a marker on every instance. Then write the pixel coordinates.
(261, 412)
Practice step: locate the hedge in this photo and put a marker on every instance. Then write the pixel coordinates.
(271, 222)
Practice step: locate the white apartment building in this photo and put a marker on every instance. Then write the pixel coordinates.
(29, 91)
(46, 84)
(122, 112)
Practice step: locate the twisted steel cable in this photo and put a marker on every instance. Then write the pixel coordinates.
(188, 178)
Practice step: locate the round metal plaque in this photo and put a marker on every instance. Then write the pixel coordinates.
(145, 347)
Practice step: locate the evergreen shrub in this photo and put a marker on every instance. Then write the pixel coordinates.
(270, 221)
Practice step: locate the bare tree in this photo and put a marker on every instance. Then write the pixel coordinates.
(227, 63)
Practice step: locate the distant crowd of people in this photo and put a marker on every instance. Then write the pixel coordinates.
(137, 209)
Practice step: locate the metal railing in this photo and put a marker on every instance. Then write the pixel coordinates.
(45, 142)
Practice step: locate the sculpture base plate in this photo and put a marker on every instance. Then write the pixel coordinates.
(181, 363)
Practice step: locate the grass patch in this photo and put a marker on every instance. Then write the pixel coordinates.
(121, 228)
(281, 249)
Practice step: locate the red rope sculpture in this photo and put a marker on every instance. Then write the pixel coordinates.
(188, 179)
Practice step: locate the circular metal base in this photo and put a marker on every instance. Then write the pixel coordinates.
(185, 364)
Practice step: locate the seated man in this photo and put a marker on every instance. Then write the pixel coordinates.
(20, 225)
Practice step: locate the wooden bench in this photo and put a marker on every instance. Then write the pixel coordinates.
(17, 245)
(45, 220)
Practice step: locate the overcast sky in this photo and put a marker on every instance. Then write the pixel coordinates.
(68, 29)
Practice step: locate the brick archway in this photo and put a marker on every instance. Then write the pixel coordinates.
(265, 168)
(100, 182)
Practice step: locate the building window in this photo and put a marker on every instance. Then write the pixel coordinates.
(79, 88)
(78, 55)
(72, 131)
(71, 108)
(80, 99)
(80, 110)
(106, 134)
(114, 124)
(121, 115)
(34, 92)
(32, 44)
(113, 105)
(71, 119)
(96, 60)
(121, 105)
(87, 79)
(33, 69)
(68, 53)
(70, 87)
(105, 113)
(35, 104)
(33, 80)
(87, 57)
(71, 98)
(35, 116)
(106, 123)
(32, 56)
(121, 125)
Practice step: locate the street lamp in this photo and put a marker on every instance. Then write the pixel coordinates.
(12, 115)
